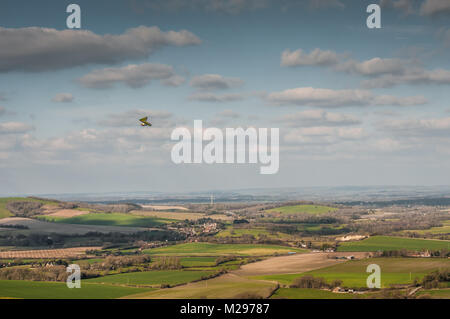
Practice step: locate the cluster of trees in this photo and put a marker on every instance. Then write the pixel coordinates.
(91, 238)
(309, 281)
(24, 209)
(444, 253)
(436, 279)
(399, 222)
(56, 273)
(167, 263)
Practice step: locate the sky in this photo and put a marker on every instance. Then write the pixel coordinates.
(354, 106)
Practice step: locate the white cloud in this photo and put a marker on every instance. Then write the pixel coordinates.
(309, 118)
(315, 57)
(229, 114)
(412, 76)
(63, 98)
(308, 96)
(324, 135)
(435, 7)
(419, 127)
(213, 97)
(133, 75)
(373, 67)
(36, 49)
(226, 6)
(215, 81)
(15, 128)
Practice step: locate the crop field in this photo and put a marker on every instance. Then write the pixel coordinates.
(231, 231)
(58, 290)
(393, 243)
(177, 215)
(305, 209)
(225, 286)
(106, 219)
(149, 278)
(4, 200)
(353, 273)
(290, 264)
(46, 253)
(304, 293)
(436, 293)
(209, 249)
(197, 261)
(39, 226)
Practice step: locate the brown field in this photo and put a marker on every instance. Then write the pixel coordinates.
(38, 226)
(163, 207)
(68, 213)
(46, 253)
(225, 286)
(293, 264)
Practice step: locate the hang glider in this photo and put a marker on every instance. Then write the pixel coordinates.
(144, 121)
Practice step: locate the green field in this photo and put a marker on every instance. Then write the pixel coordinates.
(109, 219)
(299, 209)
(209, 249)
(435, 293)
(58, 290)
(155, 277)
(197, 261)
(225, 286)
(393, 243)
(353, 273)
(4, 200)
(304, 293)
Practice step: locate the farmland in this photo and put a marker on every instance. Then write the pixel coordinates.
(353, 273)
(108, 219)
(151, 278)
(302, 209)
(393, 243)
(46, 253)
(304, 293)
(208, 249)
(226, 286)
(53, 290)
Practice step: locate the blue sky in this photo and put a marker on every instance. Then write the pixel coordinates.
(365, 106)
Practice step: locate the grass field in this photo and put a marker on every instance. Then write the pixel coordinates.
(299, 209)
(353, 273)
(225, 286)
(304, 293)
(57, 290)
(4, 200)
(436, 293)
(209, 249)
(197, 261)
(178, 215)
(393, 243)
(105, 219)
(156, 277)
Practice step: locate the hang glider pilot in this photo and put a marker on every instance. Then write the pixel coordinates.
(144, 121)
